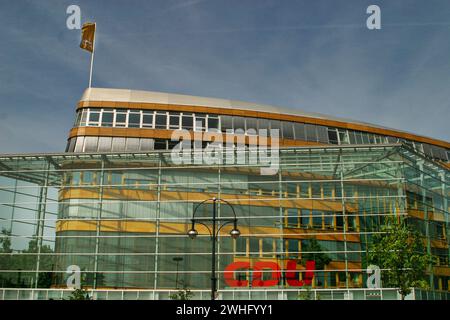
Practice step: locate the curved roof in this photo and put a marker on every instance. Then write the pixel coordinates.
(140, 96)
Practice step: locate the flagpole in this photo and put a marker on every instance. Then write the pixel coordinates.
(92, 55)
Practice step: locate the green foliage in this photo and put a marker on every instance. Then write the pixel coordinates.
(316, 254)
(19, 261)
(401, 251)
(182, 294)
(80, 294)
(306, 295)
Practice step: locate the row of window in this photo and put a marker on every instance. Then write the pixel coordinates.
(295, 248)
(124, 118)
(151, 119)
(317, 219)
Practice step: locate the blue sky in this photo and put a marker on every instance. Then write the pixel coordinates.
(312, 55)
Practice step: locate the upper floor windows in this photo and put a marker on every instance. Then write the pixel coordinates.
(132, 118)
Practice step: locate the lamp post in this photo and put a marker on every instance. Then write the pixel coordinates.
(234, 233)
(177, 260)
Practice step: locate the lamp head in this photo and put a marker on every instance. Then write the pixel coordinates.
(192, 233)
(235, 233)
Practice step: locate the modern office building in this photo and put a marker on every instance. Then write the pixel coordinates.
(118, 205)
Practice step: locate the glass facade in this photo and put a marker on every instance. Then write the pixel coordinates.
(123, 218)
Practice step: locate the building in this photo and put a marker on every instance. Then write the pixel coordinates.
(117, 206)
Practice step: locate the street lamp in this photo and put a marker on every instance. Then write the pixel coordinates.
(177, 260)
(234, 233)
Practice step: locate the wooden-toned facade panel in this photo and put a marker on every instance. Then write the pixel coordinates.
(177, 228)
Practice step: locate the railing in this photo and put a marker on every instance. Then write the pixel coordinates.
(268, 294)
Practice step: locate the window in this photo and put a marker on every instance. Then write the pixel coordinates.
(200, 122)
(134, 119)
(352, 137)
(251, 123)
(358, 137)
(94, 117)
(107, 118)
(339, 221)
(241, 246)
(343, 137)
(254, 246)
(299, 129)
(305, 218)
(317, 218)
(161, 121)
(322, 134)
(275, 125)
(267, 246)
(263, 124)
(293, 248)
(213, 123)
(329, 219)
(174, 121)
(333, 136)
(304, 190)
(292, 218)
(121, 118)
(187, 121)
(160, 144)
(239, 123)
(226, 122)
(288, 130)
(147, 119)
(78, 119)
(83, 120)
(311, 134)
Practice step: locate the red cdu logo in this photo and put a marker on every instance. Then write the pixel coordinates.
(259, 267)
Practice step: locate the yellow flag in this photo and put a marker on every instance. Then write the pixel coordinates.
(87, 36)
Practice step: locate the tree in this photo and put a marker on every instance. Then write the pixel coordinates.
(24, 260)
(182, 294)
(400, 253)
(79, 294)
(311, 250)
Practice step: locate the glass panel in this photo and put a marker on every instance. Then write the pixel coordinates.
(213, 123)
(132, 144)
(187, 122)
(288, 130)
(147, 120)
(134, 119)
(239, 123)
(107, 118)
(174, 120)
(161, 121)
(226, 123)
(311, 134)
(79, 144)
(118, 144)
(146, 144)
(333, 136)
(299, 131)
(104, 144)
(121, 118)
(90, 144)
